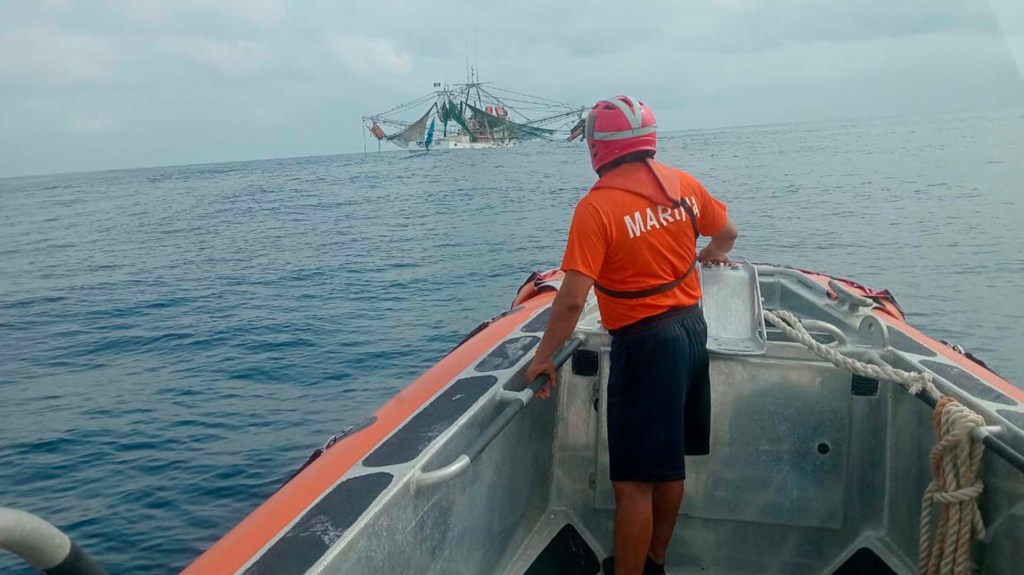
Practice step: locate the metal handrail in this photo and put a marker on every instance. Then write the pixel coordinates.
(512, 409)
(828, 328)
(986, 435)
(43, 546)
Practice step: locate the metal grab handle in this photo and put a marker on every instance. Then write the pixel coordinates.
(514, 406)
(43, 546)
(986, 435)
(828, 328)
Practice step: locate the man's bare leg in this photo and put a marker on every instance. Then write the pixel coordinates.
(666, 498)
(634, 522)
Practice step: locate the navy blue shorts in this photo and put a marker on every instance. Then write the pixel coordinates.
(659, 396)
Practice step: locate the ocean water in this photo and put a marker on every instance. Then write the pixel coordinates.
(175, 341)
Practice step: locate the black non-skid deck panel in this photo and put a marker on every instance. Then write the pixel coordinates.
(312, 535)
(904, 342)
(864, 562)
(566, 554)
(966, 382)
(539, 322)
(1014, 417)
(508, 353)
(413, 437)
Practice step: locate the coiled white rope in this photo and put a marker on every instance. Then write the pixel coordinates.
(956, 484)
(944, 547)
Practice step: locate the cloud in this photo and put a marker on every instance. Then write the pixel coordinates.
(368, 55)
(924, 74)
(229, 57)
(1015, 44)
(50, 55)
(155, 66)
(264, 13)
(755, 25)
(56, 5)
(90, 123)
(728, 26)
(1010, 15)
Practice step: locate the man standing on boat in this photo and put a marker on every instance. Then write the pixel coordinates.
(633, 238)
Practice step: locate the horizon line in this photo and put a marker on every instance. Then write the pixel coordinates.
(705, 129)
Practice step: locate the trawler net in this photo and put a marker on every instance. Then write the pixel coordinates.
(449, 111)
(477, 112)
(414, 133)
(503, 127)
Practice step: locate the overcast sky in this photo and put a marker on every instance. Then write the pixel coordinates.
(99, 84)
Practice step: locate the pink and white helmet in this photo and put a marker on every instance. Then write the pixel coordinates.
(619, 126)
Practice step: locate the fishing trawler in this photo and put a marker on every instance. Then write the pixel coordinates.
(474, 115)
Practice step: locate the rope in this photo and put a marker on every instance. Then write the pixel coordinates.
(791, 326)
(956, 484)
(944, 547)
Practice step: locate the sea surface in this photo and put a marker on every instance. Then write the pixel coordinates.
(175, 341)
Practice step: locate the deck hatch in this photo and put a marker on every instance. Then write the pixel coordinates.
(424, 427)
(321, 526)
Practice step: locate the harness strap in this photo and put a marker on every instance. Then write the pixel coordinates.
(638, 294)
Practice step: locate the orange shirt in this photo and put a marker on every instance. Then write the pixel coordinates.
(627, 236)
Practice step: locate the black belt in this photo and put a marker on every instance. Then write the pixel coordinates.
(642, 325)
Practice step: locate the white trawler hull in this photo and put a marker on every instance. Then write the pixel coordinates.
(463, 143)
